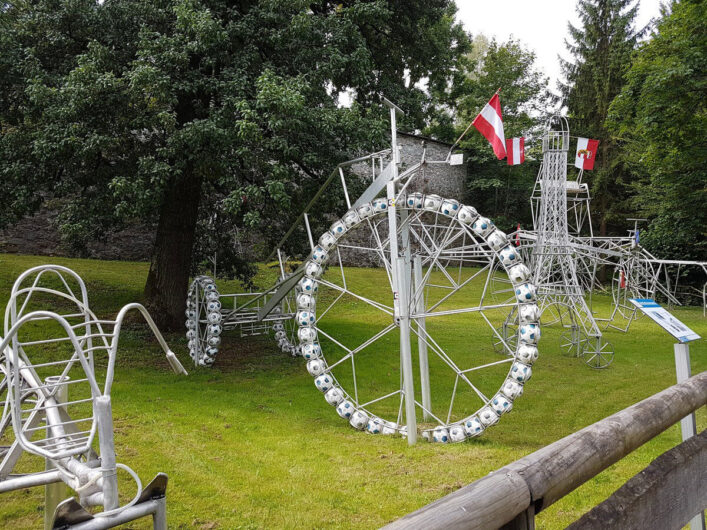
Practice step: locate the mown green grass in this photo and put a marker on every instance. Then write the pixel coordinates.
(250, 443)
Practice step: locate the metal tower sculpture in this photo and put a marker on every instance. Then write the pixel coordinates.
(554, 254)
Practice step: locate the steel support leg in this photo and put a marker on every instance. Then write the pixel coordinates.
(107, 446)
(421, 342)
(405, 353)
(55, 492)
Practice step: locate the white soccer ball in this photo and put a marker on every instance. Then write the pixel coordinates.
(212, 296)
(308, 285)
(210, 287)
(529, 333)
(440, 435)
(374, 425)
(338, 229)
(389, 428)
(214, 329)
(359, 420)
(512, 388)
(278, 326)
(334, 396)
(473, 427)
(280, 335)
(305, 318)
(501, 404)
(306, 302)
(488, 416)
(467, 214)
(432, 202)
(528, 313)
(214, 317)
(521, 372)
(456, 433)
(519, 274)
(191, 334)
(316, 366)
(319, 255)
(380, 205)
(313, 269)
(190, 313)
(323, 382)
(214, 341)
(365, 210)
(327, 240)
(527, 354)
(526, 293)
(482, 227)
(311, 350)
(497, 240)
(190, 324)
(509, 256)
(345, 409)
(350, 219)
(449, 207)
(416, 200)
(213, 305)
(307, 334)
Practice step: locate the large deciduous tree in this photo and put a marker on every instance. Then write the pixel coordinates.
(138, 109)
(601, 48)
(660, 120)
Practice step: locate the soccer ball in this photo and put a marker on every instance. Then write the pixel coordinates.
(345, 409)
(520, 372)
(389, 428)
(319, 255)
(530, 333)
(501, 404)
(308, 285)
(467, 214)
(338, 229)
(190, 324)
(456, 433)
(365, 210)
(278, 326)
(529, 313)
(449, 207)
(350, 219)
(212, 295)
(316, 367)
(210, 287)
(527, 353)
(213, 305)
(307, 334)
(190, 313)
(334, 396)
(488, 416)
(359, 420)
(327, 240)
(306, 301)
(280, 335)
(214, 341)
(519, 273)
(214, 317)
(311, 351)
(374, 425)
(473, 427)
(497, 240)
(512, 389)
(509, 256)
(323, 382)
(440, 435)
(416, 200)
(433, 202)
(380, 205)
(313, 269)
(525, 293)
(305, 318)
(482, 227)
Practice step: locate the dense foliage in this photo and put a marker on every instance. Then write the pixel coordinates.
(660, 119)
(174, 110)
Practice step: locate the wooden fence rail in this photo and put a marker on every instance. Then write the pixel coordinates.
(513, 494)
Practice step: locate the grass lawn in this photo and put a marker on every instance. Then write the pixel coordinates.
(250, 443)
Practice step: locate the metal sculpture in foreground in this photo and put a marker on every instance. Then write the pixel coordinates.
(366, 304)
(57, 403)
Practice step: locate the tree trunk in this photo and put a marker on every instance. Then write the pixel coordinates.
(168, 279)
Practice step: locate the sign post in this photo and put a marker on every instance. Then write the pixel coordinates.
(680, 331)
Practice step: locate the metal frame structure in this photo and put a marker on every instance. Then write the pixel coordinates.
(59, 410)
(566, 257)
(438, 271)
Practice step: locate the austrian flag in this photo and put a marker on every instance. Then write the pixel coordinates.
(515, 149)
(490, 123)
(586, 153)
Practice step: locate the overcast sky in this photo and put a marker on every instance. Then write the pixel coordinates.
(540, 24)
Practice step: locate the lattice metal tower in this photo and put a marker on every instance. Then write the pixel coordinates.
(554, 257)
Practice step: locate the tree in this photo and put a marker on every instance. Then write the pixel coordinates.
(659, 120)
(601, 50)
(139, 109)
(498, 190)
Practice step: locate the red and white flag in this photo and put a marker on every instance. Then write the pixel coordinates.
(515, 149)
(586, 153)
(489, 122)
